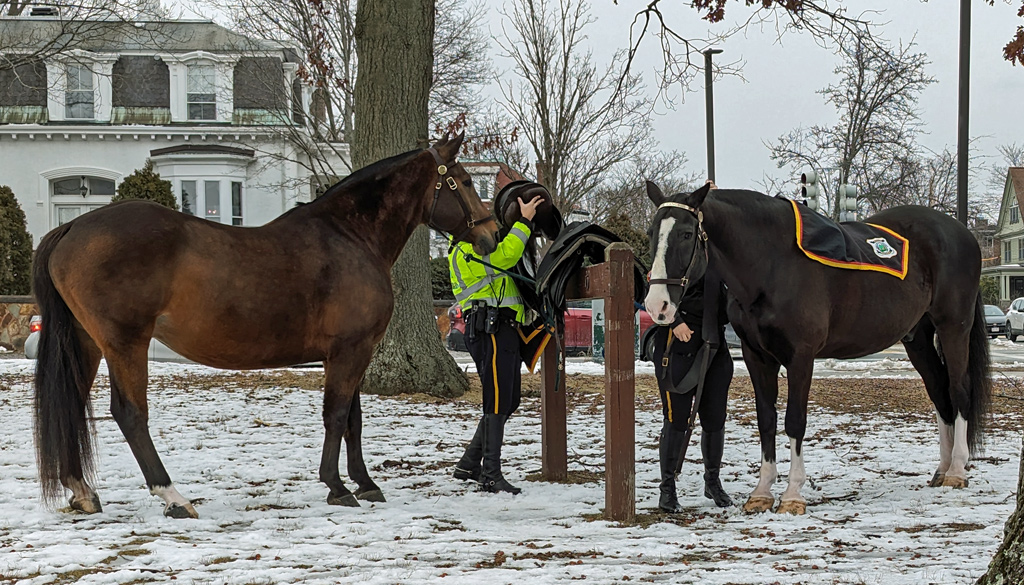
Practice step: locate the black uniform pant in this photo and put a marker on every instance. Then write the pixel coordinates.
(498, 361)
(682, 355)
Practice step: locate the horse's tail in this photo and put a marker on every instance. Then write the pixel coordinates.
(63, 412)
(979, 380)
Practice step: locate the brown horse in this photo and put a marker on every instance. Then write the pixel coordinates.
(312, 285)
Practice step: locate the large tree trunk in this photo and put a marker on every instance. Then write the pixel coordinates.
(1007, 566)
(394, 47)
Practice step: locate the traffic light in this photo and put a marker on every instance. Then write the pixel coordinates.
(847, 202)
(809, 189)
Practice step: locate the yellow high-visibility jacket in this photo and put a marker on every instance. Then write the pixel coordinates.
(473, 281)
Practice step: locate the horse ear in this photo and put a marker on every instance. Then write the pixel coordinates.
(449, 149)
(697, 197)
(654, 193)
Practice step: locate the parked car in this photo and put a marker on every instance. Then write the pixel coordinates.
(158, 352)
(995, 322)
(1015, 319)
(578, 331)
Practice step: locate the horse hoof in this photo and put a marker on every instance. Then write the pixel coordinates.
(374, 495)
(758, 504)
(937, 480)
(180, 511)
(348, 500)
(794, 507)
(90, 506)
(954, 482)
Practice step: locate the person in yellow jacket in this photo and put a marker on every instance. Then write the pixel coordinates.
(493, 311)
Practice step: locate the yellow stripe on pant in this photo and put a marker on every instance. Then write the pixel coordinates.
(494, 370)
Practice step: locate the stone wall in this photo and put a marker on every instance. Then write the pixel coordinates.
(15, 313)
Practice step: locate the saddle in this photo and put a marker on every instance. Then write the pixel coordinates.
(851, 245)
(580, 242)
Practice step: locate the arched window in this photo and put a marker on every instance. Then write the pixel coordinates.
(73, 196)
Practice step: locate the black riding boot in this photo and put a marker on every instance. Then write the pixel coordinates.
(468, 468)
(669, 445)
(491, 478)
(712, 445)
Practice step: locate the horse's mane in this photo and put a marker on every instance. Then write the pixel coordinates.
(366, 198)
(755, 206)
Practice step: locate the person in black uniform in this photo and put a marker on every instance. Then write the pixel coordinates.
(679, 343)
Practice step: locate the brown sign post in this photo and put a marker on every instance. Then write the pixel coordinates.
(611, 280)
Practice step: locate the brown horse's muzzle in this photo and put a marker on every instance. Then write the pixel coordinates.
(486, 241)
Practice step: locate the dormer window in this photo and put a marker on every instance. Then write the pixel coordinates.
(202, 93)
(79, 97)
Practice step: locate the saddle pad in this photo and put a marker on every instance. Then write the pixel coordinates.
(852, 245)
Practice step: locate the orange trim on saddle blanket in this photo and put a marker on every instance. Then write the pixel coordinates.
(901, 274)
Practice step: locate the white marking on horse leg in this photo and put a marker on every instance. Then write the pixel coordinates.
(960, 453)
(945, 444)
(658, 303)
(797, 475)
(173, 499)
(769, 473)
(80, 489)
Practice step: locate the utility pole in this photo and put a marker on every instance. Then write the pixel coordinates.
(963, 134)
(709, 101)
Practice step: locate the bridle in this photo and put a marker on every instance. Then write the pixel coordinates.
(442, 172)
(702, 241)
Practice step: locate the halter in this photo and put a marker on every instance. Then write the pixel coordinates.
(442, 172)
(702, 239)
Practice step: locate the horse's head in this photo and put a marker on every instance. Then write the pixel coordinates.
(456, 208)
(678, 249)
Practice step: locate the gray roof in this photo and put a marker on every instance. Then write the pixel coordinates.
(181, 36)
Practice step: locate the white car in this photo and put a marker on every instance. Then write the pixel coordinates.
(158, 352)
(1015, 319)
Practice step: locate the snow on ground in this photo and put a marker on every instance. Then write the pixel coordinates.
(250, 457)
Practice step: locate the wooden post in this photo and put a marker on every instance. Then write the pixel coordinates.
(611, 280)
(553, 432)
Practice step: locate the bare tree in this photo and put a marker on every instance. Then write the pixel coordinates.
(873, 144)
(623, 193)
(322, 34)
(578, 120)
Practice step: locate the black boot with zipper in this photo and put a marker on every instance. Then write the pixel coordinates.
(491, 478)
(468, 468)
(712, 445)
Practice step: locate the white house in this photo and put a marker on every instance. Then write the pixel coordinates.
(213, 110)
(1010, 232)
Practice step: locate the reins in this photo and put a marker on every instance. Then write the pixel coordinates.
(442, 172)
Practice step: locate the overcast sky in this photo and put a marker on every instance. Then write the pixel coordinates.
(777, 92)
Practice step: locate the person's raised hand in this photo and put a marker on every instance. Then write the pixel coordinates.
(529, 209)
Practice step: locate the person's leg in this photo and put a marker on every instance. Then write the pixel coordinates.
(712, 409)
(504, 389)
(468, 467)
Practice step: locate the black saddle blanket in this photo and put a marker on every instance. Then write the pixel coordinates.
(852, 245)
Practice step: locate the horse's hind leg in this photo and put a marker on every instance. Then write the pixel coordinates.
(130, 408)
(341, 377)
(764, 375)
(955, 341)
(920, 347)
(84, 498)
(356, 466)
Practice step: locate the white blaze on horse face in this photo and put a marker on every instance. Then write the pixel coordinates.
(658, 303)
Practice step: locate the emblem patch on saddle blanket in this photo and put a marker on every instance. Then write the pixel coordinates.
(850, 245)
(882, 248)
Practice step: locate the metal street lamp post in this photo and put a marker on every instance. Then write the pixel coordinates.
(709, 100)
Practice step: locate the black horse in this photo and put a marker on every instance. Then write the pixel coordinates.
(788, 310)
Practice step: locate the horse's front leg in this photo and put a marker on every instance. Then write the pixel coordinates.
(799, 374)
(764, 375)
(341, 376)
